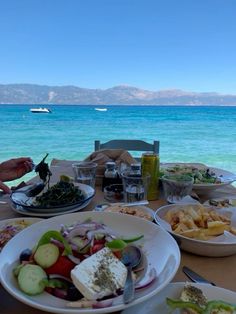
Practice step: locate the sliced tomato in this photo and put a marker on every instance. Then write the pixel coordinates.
(63, 266)
(100, 241)
(96, 247)
(118, 254)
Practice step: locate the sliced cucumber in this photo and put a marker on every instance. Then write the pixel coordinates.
(17, 269)
(46, 255)
(30, 279)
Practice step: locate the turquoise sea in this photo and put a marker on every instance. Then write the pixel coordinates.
(186, 133)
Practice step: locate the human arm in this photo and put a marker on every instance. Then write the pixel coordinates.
(13, 169)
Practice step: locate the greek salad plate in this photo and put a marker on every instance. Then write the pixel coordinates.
(157, 304)
(159, 248)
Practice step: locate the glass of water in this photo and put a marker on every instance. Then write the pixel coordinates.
(135, 187)
(176, 187)
(85, 172)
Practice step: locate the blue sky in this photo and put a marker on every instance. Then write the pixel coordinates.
(151, 44)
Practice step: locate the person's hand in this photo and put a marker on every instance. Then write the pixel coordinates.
(13, 169)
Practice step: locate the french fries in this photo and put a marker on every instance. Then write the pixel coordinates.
(198, 222)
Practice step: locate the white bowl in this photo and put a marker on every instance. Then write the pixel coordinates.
(223, 245)
(159, 247)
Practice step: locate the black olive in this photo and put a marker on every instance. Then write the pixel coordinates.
(73, 293)
(25, 255)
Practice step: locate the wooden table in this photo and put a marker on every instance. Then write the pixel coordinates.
(220, 270)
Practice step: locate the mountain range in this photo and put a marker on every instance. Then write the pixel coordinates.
(118, 95)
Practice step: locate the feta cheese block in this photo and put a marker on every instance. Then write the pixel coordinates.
(99, 275)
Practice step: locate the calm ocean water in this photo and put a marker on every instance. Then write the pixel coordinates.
(186, 133)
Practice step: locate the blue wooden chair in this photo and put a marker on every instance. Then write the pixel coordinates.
(129, 145)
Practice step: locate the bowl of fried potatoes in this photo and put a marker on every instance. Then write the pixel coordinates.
(200, 229)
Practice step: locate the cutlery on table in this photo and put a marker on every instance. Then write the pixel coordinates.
(139, 203)
(32, 190)
(195, 277)
(131, 257)
(101, 207)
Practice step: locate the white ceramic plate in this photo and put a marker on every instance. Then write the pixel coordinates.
(157, 304)
(223, 245)
(230, 199)
(20, 210)
(137, 211)
(22, 222)
(20, 199)
(160, 248)
(226, 177)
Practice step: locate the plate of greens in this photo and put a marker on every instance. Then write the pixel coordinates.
(205, 178)
(60, 197)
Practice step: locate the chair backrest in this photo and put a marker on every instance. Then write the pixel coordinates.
(130, 145)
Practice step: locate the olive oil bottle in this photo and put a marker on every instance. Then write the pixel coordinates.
(150, 164)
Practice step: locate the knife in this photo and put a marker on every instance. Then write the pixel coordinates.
(196, 277)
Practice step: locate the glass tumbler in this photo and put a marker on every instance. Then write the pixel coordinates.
(176, 187)
(85, 172)
(135, 187)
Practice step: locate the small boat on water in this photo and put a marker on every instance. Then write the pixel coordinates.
(101, 109)
(40, 110)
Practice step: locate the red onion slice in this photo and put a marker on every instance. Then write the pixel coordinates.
(57, 276)
(89, 303)
(102, 304)
(151, 277)
(74, 259)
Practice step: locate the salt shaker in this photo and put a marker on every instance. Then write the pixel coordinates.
(111, 171)
(135, 169)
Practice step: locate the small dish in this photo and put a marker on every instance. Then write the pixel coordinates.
(114, 193)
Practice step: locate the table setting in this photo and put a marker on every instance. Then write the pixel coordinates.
(165, 247)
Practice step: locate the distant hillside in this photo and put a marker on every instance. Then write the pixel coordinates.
(118, 95)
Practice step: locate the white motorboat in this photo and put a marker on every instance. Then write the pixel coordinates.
(40, 110)
(101, 109)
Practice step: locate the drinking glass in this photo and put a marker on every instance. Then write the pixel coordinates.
(135, 187)
(176, 187)
(85, 172)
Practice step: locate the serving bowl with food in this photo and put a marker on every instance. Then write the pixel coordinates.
(205, 178)
(90, 244)
(200, 229)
